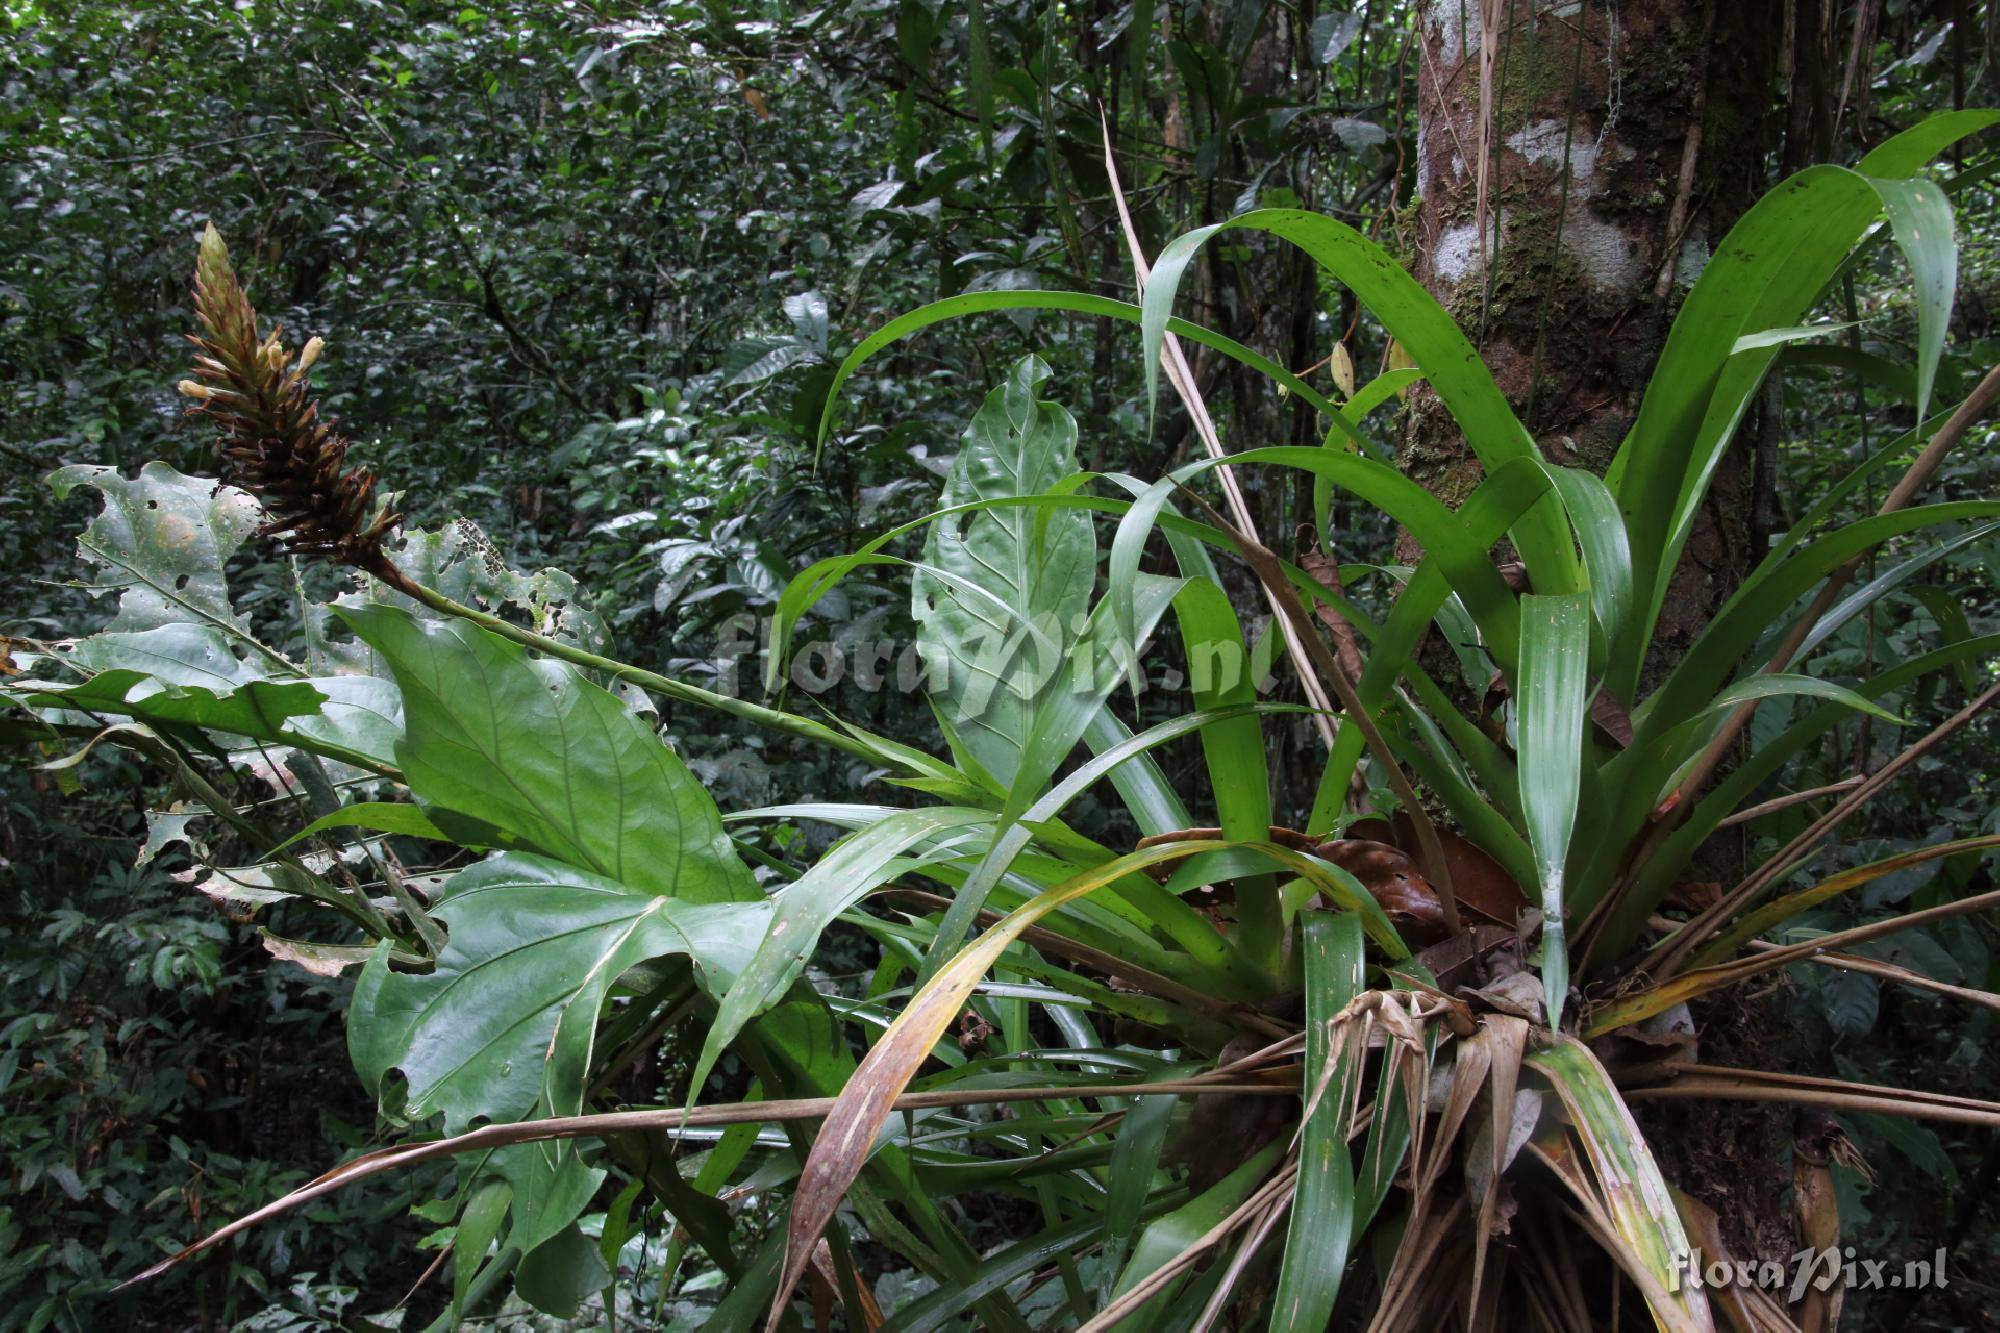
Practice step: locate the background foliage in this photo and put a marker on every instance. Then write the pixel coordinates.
(587, 269)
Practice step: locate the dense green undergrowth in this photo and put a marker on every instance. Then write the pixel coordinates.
(636, 400)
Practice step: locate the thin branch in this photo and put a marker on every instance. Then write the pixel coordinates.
(1777, 803)
(21, 456)
(1902, 976)
(1670, 955)
(1157, 1280)
(1847, 962)
(533, 352)
(208, 145)
(1632, 1008)
(1181, 376)
(1245, 1252)
(1734, 1085)
(1677, 214)
(672, 1122)
(1780, 1078)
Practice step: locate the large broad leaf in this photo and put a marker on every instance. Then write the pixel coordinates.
(360, 720)
(259, 708)
(187, 674)
(1094, 665)
(162, 540)
(181, 653)
(999, 668)
(534, 749)
(177, 652)
(502, 1028)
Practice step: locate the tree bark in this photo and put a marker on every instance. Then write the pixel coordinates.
(1619, 141)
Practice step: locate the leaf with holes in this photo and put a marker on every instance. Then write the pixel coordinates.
(162, 540)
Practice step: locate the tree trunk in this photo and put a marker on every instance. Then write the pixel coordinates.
(1619, 142)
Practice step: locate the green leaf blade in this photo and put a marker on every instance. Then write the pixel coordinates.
(536, 750)
(1038, 566)
(1322, 1218)
(1554, 704)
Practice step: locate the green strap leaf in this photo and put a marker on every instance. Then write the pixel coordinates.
(1765, 274)
(805, 907)
(1425, 330)
(1771, 598)
(1771, 685)
(382, 816)
(1607, 548)
(1322, 1220)
(864, 1104)
(1135, 1161)
(1082, 303)
(1920, 217)
(1553, 703)
(1148, 795)
(1753, 924)
(1169, 1236)
(1449, 539)
(1484, 517)
(1662, 872)
(1220, 677)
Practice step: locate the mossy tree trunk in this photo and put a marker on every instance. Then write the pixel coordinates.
(1619, 140)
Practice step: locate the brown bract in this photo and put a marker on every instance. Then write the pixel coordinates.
(270, 435)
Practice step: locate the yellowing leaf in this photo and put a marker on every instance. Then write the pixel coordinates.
(1342, 366)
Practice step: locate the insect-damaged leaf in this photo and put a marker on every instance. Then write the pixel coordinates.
(161, 541)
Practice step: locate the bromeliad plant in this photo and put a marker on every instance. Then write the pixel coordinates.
(1237, 1057)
